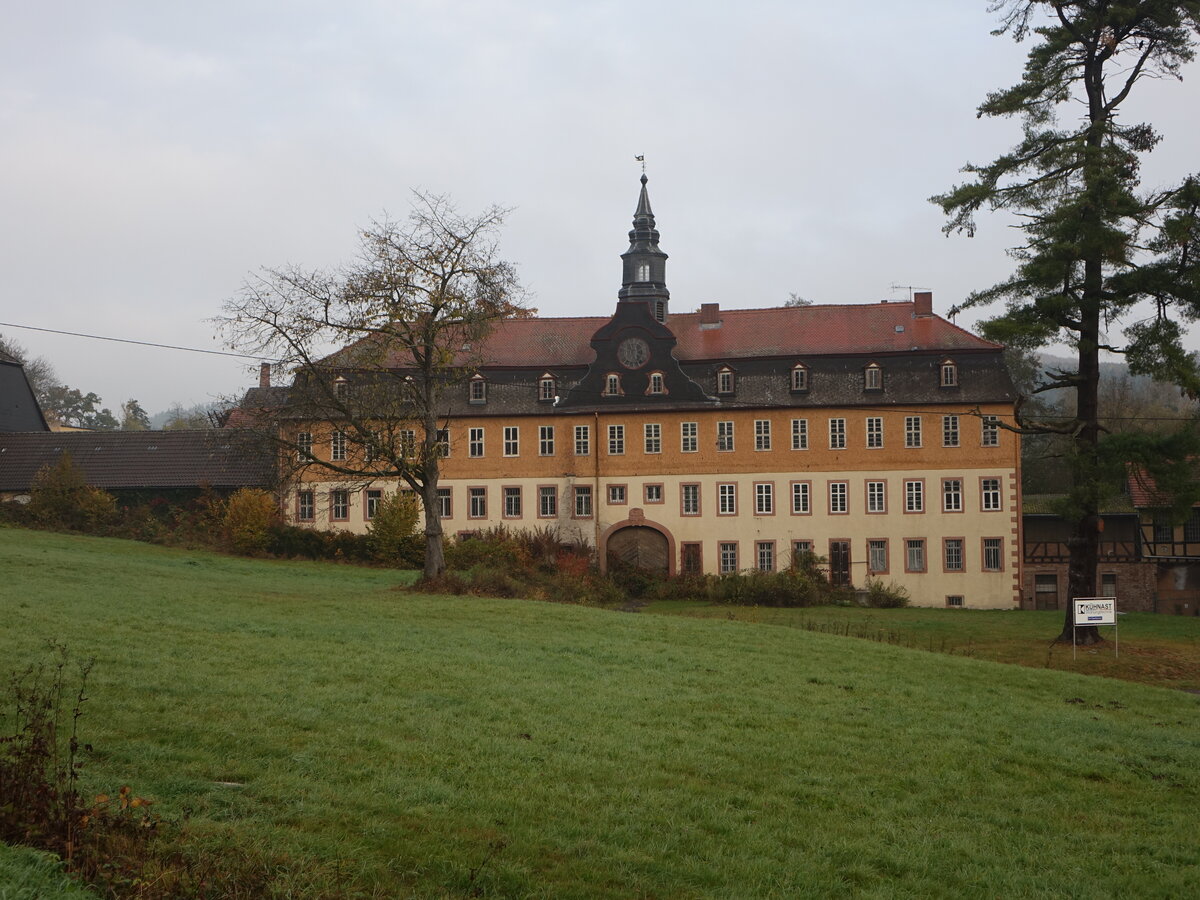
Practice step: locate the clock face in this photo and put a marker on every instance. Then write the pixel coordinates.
(633, 353)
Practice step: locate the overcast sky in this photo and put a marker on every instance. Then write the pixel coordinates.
(153, 153)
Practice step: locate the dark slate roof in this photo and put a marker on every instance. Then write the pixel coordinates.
(19, 410)
(117, 460)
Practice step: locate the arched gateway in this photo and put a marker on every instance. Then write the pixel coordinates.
(639, 544)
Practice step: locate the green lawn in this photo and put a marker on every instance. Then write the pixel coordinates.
(434, 746)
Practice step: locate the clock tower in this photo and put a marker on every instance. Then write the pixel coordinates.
(644, 265)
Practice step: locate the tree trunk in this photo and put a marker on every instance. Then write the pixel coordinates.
(435, 558)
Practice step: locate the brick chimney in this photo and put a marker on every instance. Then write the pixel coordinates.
(264, 375)
(923, 303)
(710, 314)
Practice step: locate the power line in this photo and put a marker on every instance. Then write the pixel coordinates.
(100, 337)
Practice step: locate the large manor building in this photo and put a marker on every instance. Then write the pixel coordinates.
(722, 440)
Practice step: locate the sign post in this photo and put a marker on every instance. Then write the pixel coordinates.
(1096, 611)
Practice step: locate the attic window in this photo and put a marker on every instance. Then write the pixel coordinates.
(547, 388)
(477, 392)
(873, 378)
(656, 385)
(725, 381)
(612, 386)
(800, 377)
(949, 373)
(340, 387)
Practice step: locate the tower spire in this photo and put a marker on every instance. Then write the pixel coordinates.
(644, 265)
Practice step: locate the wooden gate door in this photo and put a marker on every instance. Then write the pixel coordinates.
(639, 547)
(839, 563)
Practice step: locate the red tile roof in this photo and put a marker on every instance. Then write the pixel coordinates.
(743, 333)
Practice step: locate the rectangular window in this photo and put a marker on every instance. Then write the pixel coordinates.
(442, 442)
(689, 440)
(799, 434)
(547, 389)
(1108, 584)
(874, 432)
(727, 499)
(408, 443)
(337, 445)
(477, 502)
(583, 501)
(689, 499)
(729, 557)
(989, 490)
(690, 562)
(953, 549)
(475, 442)
(765, 552)
(444, 505)
(993, 559)
(912, 431)
(725, 436)
(799, 378)
(872, 378)
(724, 382)
(653, 493)
(801, 551)
(954, 600)
(373, 499)
(914, 496)
(304, 445)
(764, 499)
(991, 432)
(305, 506)
(876, 496)
(652, 437)
(616, 440)
(1164, 530)
(339, 505)
(837, 434)
(914, 555)
(949, 431)
(877, 556)
(839, 501)
(583, 440)
(952, 497)
(548, 502)
(801, 498)
(949, 374)
(512, 503)
(512, 440)
(478, 390)
(1191, 527)
(616, 495)
(762, 434)
(545, 440)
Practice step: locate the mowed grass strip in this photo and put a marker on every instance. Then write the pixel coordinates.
(1150, 648)
(441, 746)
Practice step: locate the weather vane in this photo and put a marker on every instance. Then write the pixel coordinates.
(642, 160)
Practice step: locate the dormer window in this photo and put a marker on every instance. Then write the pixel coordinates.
(800, 377)
(477, 392)
(612, 386)
(656, 385)
(643, 272)
(340, 387)
(547, 388)
(873, 378)
(949, 373)
(725, 382)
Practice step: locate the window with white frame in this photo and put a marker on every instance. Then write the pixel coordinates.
(475, 442)
(837, 434)
(656, 383)
(408, 443)
(993, 558)
(764, 499)
(617, 495)
(373, 497)
(801, 550)
(512, 503)
(652, 437)
(643, 272)
(652, 493)
(765, 553)
(799, 434)
(337, 445)
(954, 554)
(725, 381)
(616, 440)
(949, 431)
(801, 498)
(872, 378)
(727, 499)
(306, 506)
(728, 555)
(545, 440)
(952, 495)
(444, 505)
(612, 385)
(914, 550)
(877, 555)
(914, 496)
(477, 502)
(990, 436)
(547, 388)
(547, 502)
(689, 499)
(762, 434)
(583, 440)
(304, 445)
(876, 496)
(874, 432)
(989, 489)
(339, 504)
(478, 390)
(583, 501)
(799, 378)
(441, 445)
(512, 440)
(839, 501)
(689, 437)
(949, 374)
(725, 436)
(912, 431)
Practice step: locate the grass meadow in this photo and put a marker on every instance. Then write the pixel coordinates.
(373, 742)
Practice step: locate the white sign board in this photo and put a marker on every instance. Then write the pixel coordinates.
(1095, 610)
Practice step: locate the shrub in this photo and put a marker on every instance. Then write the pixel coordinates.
(60, 498)
(886, 596)
(249, 515)
(390, 534)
